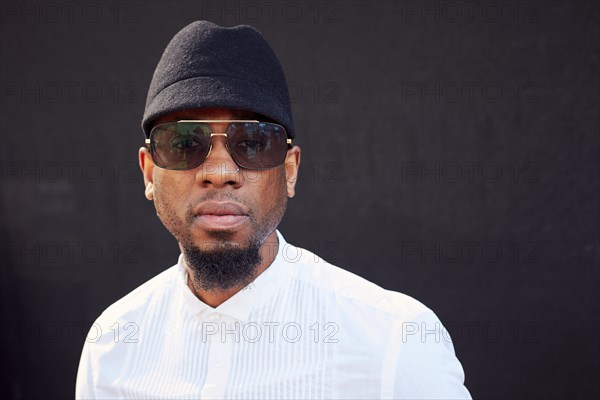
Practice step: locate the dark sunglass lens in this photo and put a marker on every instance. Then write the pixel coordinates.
(180, 145)
(257, 145)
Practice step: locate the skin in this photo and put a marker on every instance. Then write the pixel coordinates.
(262, 195)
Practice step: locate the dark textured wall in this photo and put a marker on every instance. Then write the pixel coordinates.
(450, 152)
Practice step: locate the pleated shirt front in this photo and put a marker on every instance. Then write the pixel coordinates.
(303, 329)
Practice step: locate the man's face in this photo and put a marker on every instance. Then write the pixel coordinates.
(217, 205)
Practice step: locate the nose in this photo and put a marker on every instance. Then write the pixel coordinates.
(219, 169)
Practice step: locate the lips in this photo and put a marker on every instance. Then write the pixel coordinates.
(212, 215)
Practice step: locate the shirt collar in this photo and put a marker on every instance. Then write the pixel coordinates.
(243, 302)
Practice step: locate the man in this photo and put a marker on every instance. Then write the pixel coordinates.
(243, 314)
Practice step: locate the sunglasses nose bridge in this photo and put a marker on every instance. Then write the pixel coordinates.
(226, 146)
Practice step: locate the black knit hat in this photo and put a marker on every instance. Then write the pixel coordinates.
(206, 65)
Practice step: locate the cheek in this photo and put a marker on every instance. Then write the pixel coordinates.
(170, 206)
(167, 195)
(264, 183)
(273, 190)
(159, 189)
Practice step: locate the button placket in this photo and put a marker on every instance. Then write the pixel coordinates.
(219, 356)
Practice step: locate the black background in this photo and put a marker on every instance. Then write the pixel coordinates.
(450, 152)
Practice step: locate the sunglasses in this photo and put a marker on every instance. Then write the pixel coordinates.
(185, 144)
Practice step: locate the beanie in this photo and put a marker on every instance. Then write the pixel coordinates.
(206, 65)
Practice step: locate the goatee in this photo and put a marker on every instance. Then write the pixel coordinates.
(223, 268)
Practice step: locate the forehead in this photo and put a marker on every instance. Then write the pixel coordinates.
(208, 113)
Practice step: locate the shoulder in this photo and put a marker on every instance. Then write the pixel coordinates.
(346, 287)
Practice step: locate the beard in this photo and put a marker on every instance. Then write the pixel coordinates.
(219, 263)
(223, 267)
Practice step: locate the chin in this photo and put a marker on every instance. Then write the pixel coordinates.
(220, 240)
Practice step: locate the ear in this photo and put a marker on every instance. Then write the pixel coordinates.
(147, 167)
(292, 164)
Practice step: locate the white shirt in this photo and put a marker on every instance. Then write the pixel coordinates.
(303, 329)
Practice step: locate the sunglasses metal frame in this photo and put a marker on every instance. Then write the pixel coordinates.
(148, 140)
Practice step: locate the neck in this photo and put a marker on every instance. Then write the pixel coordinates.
(215, 298)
